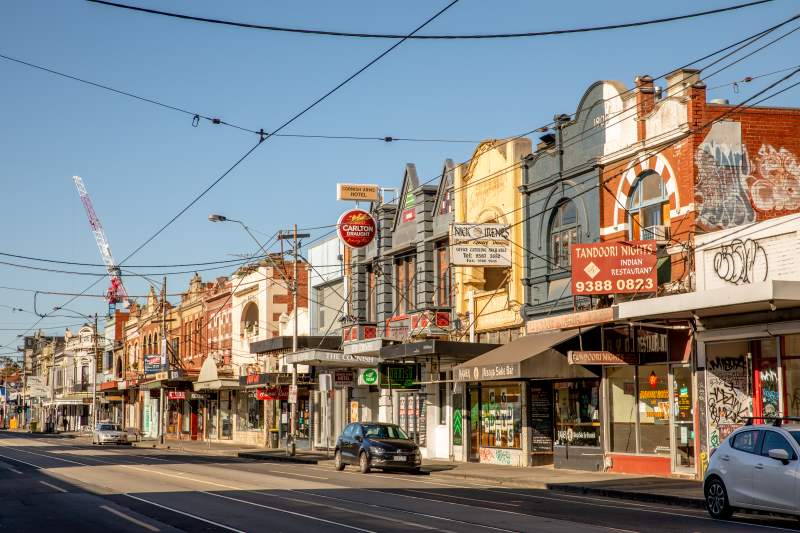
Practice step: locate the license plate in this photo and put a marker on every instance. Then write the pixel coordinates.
(399, 458)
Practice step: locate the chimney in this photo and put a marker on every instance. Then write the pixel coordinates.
(697, 104)
(679, 82)
(645, 102)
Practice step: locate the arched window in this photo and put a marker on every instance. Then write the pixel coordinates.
(250, 320)
(564, 231)
(648, 208)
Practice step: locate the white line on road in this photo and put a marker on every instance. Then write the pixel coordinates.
(43, 455)
(463, 498)
(21, 461)
(56, 487)
(294, 474)
(9, 467)
(184, 513)
(318, 519)
(129, 518)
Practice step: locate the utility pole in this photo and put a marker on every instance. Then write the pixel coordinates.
(94, 377)
(164, 363)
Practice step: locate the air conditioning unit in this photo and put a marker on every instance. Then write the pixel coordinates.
(661, 233)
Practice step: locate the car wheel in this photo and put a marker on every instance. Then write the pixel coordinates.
(338, 464)
(363, 463)
(717, 500)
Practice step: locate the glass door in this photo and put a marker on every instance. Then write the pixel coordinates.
(683, 437)
(211, 419)
(474, 423)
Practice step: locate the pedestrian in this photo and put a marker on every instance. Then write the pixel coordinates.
(64, 423)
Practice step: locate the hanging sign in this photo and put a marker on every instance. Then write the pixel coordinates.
(614, 268)
(176, 395)
(152, 364)
(356, 228)
(358, 192)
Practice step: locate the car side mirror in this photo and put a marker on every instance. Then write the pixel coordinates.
(780, 454)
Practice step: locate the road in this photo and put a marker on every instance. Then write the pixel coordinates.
(66, 484)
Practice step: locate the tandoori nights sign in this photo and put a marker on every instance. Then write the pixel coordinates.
(614, 268)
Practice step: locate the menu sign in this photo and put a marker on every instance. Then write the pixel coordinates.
(614, 268)
(541, 416)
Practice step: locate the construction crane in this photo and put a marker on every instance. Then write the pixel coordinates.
(116, 292)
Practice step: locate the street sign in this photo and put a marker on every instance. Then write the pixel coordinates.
(614, 268)
(292, 393)
(480, 245)
(356, 228)
(358, 192)
(368, 376)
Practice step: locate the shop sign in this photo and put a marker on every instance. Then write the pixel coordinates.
(358, 192)
(253, 379)
(353, 411)
(197, 396)
(343, 378)
(399, 376)
(176, 395)
(488, 372)
(614, 268)
(600, 357)
(458, 421)
(480, 245)
(152, 364)
(356, 228)
(638, 343)
(570, 321)
(421, 324)
(273, 393)
(362, 346)
(286, 379)
(368, 376)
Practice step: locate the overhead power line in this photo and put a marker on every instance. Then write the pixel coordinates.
(196, 117)
(364, 35)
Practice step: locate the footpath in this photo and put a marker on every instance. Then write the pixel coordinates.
(670, 491)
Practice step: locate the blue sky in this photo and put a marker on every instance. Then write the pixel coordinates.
(141, 163)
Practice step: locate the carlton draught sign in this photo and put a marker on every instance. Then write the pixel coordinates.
(356, 228)
(614, 268)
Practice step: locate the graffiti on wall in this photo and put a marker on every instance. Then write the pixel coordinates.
(741, 261)
(734, 188)
(728, 401)
(495, 456)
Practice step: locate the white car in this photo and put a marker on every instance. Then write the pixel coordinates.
(755, 468)
(107, 433)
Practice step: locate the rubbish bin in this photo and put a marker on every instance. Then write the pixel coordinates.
(273, 438)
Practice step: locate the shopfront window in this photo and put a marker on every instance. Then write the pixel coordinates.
(790, 359)
(501, 416)
(622, 409)
(577, 413)
(186, 417)
(225, 417)
(250, 412)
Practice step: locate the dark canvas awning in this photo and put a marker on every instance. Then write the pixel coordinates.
(433, 349)
(532, 356)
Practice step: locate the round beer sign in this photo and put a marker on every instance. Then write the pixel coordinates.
(356, 228)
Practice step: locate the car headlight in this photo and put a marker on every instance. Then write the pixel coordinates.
(376, 450)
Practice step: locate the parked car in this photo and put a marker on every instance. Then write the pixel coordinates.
(376, 445)
(108, 433)
(755, 468)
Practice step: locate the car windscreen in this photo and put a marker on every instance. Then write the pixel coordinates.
(376, 431)
(108, 427)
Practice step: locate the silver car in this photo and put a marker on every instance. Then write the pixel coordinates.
(108, 433)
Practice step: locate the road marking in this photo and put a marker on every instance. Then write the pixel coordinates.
(37, 467)
(463, 498)
(129, 518)
(9, 467)
(56, 487)
(182, 476)
(318, 519)
(294, 474)
(184, 513)
(43, 455)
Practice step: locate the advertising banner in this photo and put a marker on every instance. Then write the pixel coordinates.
(356, 228)
(152, 364)
(614, 268)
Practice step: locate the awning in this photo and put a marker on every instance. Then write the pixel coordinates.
(333, 358)
(747, 298)
(531, 356)
(445, 352)
(210, 380)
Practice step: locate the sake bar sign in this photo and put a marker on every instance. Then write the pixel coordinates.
(614, 268)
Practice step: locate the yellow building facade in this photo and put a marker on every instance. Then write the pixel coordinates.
(486, 190)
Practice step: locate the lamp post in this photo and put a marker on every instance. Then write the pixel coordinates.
(292, 286)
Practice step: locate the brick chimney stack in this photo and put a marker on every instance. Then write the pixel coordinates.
(645, 102)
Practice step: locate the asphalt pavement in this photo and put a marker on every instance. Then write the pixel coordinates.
(49, 482)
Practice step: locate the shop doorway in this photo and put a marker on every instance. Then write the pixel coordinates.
(474, 424)
(412, 416)
(682, 419)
